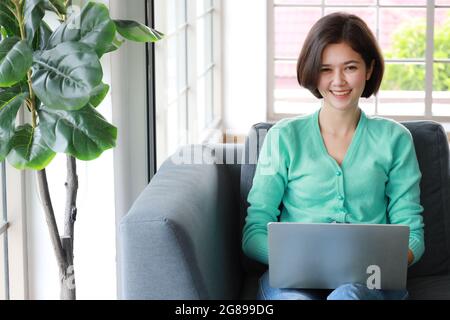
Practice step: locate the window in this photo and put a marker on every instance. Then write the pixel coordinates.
(414, 36)
(4, 264)
(13, 261)
(188, 106)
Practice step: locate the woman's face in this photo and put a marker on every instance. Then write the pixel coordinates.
(343, 76)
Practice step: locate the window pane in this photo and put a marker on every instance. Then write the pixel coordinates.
(289, 97)
(210, 114)
(2, 177)
(181, 10)
(176, 65)
(286, 75)
(205, 104)
(398, 27)
(2, 267)
(204, 44)
(203, 5)
(176, 130)
(201, 104)
(368, 105)
(368, 15)
(299, 101)
(351, 2)
(442, 33)
(403, 2)
(172, 67)
(441, 89)
(403, 90)
(317, 2)
(172, 22)
(291, 27)
(176, 15)
(442, 2)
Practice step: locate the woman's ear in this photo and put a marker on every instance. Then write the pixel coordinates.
(370, 70)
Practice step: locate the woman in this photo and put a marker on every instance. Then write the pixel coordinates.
(337, 164)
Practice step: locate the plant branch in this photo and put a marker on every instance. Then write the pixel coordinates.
(71, 197)
(50, 219)
(20, 19)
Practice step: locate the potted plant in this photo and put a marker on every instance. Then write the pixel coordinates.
(56, 76)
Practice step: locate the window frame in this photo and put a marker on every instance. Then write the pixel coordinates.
(17, 240)
(189, 91)
(428, 60)
(16, 230)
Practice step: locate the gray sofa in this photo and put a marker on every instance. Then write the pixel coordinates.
(182, 237)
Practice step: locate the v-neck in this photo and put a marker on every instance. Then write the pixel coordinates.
(353, 144)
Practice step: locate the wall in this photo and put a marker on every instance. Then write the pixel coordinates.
(129, 100)
(244, 64)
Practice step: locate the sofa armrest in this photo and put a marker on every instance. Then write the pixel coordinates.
(180, 239)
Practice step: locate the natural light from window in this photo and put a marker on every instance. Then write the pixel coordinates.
(401, 29)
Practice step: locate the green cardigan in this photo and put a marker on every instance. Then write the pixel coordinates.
(377, 182)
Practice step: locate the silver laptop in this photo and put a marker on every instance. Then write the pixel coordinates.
(327, 255)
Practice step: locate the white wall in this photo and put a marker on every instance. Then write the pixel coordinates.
(244, 64)
(129, 102)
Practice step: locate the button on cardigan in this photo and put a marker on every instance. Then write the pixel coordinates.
(377, 182)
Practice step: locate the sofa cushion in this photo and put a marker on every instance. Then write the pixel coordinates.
(432, 151)
(253, 144)
(429, 288)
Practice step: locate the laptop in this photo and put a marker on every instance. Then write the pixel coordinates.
(327, 255)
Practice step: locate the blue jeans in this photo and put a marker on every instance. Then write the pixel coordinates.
(351, 291)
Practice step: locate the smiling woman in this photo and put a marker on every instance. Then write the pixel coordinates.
(336, 148)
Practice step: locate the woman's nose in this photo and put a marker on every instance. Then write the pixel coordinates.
(338, 78)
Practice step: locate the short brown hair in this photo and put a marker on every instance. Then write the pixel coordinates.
(336, 28)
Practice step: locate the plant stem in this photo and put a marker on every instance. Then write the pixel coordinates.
(50, 218)
(71, 197)
(32, 104)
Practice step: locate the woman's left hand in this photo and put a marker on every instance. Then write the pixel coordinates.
(410, 257)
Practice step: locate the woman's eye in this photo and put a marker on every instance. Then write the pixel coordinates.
(351, 68)
(325, 70)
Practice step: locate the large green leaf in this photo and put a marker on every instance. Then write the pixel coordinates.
(91, 26)
(136, 31)
(99, 94)
(65, 77)
(115, 44)
(84, 133)
(33, 12)
(10, 103)
(7, 19)
(16, 58)
(28, 149)
(43, 34)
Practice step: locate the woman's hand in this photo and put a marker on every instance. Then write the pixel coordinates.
(410, 257)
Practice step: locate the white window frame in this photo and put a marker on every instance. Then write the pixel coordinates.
(16, 230)
(17, 239)
(428, 60)
(189, 92)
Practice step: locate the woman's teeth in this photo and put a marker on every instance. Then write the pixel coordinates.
(341, 93)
